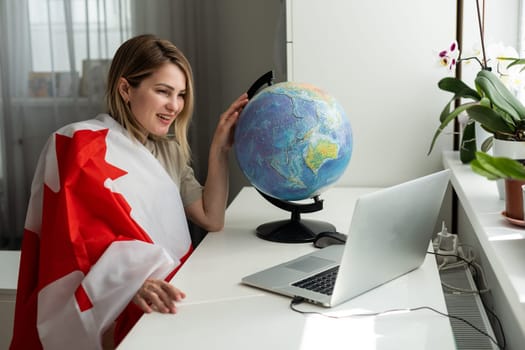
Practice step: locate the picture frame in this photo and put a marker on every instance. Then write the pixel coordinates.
(40, 84)
(94, 77)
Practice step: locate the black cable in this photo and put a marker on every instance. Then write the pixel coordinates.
(468, 262)
(500, 326)
(296, 301)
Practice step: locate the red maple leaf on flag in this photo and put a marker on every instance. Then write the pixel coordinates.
(84, 217)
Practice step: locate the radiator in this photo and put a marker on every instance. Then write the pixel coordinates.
(468, 307)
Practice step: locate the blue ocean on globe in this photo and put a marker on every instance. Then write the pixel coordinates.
(292, 141)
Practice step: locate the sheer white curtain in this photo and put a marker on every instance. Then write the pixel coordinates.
(53, 64)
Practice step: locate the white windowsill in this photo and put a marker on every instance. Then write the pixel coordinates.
(502, 243)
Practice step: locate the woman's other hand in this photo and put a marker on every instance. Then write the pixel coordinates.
(158, 295)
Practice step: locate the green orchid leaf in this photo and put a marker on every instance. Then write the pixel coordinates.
(458, 88)
(446, 111)
(485, 102)
(490, 120)
(447, 119)
(467, 150)
(499, 95)
(504, 133)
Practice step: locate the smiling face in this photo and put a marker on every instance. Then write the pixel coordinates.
(158, 99)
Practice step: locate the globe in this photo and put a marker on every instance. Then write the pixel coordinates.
(292, 141)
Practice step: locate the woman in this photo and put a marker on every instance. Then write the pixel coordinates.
(106, 224)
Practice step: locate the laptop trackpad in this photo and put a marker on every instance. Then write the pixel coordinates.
(308, 264)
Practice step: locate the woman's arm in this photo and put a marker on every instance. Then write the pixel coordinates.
(208, 212)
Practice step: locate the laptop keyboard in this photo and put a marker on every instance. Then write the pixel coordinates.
(322, 283)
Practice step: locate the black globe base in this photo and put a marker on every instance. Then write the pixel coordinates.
(293, 231)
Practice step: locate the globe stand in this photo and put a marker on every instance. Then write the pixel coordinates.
(293, 230)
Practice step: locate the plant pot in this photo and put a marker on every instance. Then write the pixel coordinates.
(514, 198)
(509, 149)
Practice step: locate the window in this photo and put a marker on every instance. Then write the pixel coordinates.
(71, 39)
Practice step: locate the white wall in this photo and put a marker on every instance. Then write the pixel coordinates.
(378, 58)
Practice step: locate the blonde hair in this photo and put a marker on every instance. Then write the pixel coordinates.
(135, 60)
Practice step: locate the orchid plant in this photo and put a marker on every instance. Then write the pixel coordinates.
(491, 103)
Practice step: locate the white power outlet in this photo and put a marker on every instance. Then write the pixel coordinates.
(446, 243)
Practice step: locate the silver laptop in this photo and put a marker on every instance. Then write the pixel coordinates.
(389, 236)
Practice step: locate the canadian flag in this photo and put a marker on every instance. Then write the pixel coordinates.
(102, 218)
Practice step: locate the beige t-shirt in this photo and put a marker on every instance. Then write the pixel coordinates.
(169, 154)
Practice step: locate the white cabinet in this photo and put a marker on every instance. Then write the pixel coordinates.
(9, 263)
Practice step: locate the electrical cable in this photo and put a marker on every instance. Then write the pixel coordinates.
(471, 265)
(297, 300)
(466, 256)
(457, 290)
(500, 326)
(477, 271)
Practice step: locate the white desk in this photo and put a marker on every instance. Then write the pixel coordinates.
(500, 245)
(220, 313)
